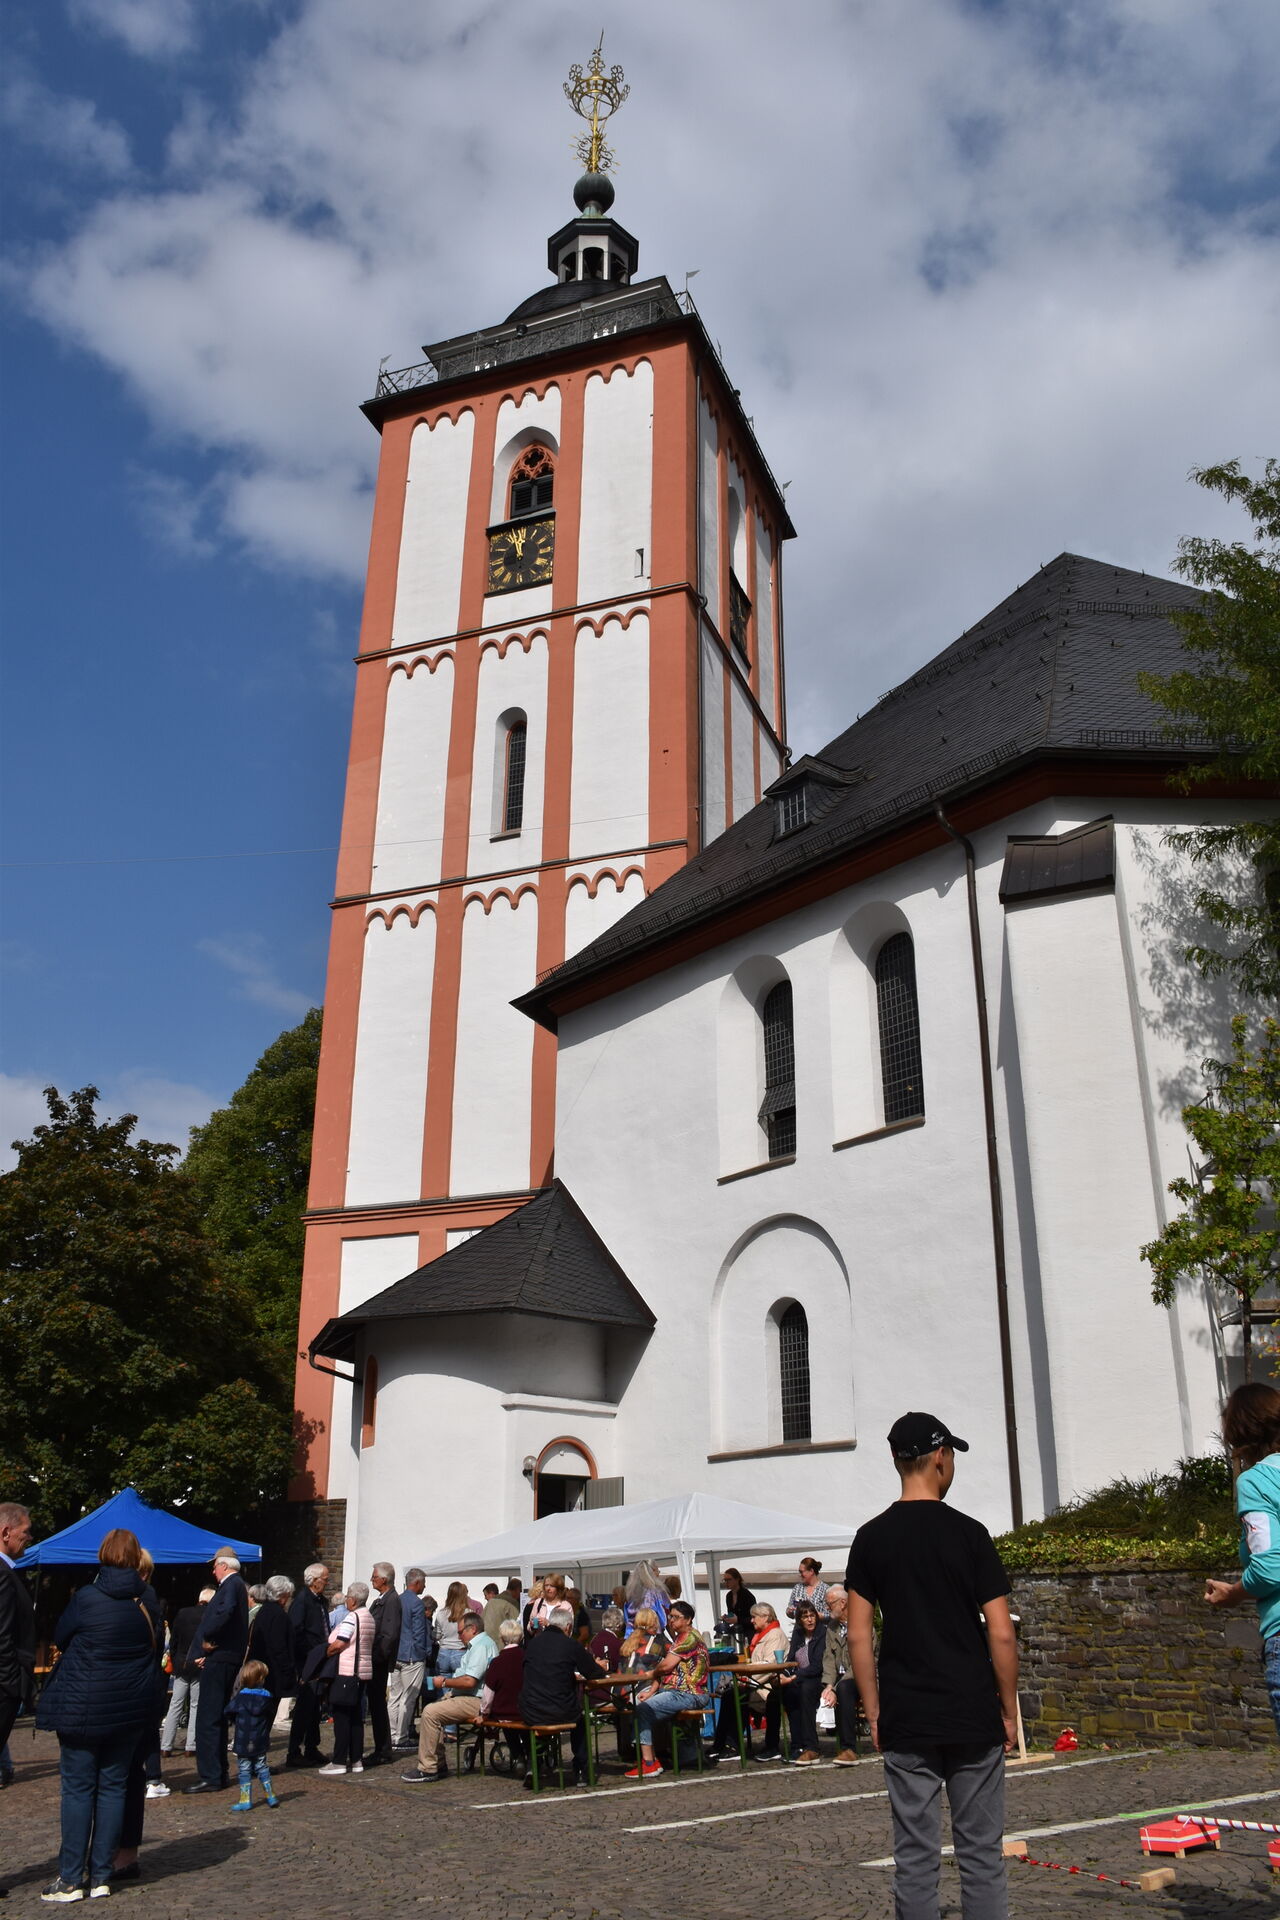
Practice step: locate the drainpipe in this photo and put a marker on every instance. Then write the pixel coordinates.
(352, 1379)
(993, 1167)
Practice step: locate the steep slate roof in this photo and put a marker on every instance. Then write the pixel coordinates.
(545, 1258)
(1051, 671)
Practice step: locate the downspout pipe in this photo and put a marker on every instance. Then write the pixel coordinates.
(993, 1165)
(352, 1379)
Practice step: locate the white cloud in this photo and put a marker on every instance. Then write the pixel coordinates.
(990, 280)
(69, 128)
(166, 1109)
(247, 959)
(150, 28)
(174, 510)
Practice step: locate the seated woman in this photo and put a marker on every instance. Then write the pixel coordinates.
(679, 1685)
(803, 1688)
(503, 1680)
(641, 1651)
(768, 1642)
(606, 1645)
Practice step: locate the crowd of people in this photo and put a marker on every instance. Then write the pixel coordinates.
(917, 1640)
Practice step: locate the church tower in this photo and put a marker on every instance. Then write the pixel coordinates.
(569, 680)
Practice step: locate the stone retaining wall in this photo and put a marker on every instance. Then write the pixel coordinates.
(1128, 1655)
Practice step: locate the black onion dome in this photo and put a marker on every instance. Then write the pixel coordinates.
(562, 293)
(597, 187)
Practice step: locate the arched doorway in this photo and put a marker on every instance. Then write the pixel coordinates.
(560, 1477)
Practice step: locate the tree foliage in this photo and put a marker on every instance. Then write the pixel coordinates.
(1228, 1231)
(131, 1356)
(1230, 695)
(251, 1162)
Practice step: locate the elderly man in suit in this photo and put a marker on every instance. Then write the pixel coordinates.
(218, 1652)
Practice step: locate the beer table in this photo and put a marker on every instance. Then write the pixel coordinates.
(739, 1672)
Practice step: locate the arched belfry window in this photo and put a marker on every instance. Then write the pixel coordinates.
(514, 747)
(900, 1069)
(793, 1369)
(778, 1108)
(532, 481)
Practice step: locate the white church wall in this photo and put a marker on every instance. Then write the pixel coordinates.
(743, 722)
(368, 1267)
(513, 681)
(389, 1087)
(609, 792)
(411, 782)
(493, 1074)
(429, 579)
(615, 538)
(709, 510)
(713, 793)
(588, 915)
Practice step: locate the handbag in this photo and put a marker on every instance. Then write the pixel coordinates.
(344, 1690)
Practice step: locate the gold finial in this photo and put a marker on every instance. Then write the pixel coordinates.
(595, 97)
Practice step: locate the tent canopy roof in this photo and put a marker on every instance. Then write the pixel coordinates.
(684, 1524)
(171, 1542)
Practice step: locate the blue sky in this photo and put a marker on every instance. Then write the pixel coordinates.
(991, 279)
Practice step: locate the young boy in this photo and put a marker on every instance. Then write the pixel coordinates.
(251, 1709)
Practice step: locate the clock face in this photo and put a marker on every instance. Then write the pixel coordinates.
(521, 555)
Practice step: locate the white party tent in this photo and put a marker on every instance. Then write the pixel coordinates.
(679, 1528)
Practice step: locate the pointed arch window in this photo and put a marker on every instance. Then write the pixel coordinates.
(793, 1369)
(778, 1108)
(513, 776)
(901, 1074)
(532, 481)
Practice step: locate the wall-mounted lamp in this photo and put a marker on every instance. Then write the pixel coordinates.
(530, 1463)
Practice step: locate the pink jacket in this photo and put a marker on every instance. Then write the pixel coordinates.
(357, 1656)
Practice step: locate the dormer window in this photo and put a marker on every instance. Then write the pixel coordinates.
(532, 481)
(791, 810)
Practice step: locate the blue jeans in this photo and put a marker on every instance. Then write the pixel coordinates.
(664, 1706)
(95, 1773)
(1271, 1667)
(247, 1769)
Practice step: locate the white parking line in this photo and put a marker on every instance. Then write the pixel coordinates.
(716, 1778)
(1114, 1820)
(839, 1799)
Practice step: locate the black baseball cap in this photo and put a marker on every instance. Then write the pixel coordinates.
(919, 1433)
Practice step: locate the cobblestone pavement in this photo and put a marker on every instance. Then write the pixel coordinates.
(771, 1842)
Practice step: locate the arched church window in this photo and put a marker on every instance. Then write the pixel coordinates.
(778, 1108)
(532, 481)
(901, 1075)
(793, 1367)
(369, 1404)
(513, 776)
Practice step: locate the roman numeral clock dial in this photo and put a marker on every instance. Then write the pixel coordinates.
(521, 555)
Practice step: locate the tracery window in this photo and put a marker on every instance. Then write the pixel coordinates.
(532, 481)
(793, 1368)
(778, 1108)
(901, 1074)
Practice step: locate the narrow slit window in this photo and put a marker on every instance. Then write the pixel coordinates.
(369, 1405)
(901, 1074)
(778, 1108)
(513, 778)
(532, 481)
(793, 1364)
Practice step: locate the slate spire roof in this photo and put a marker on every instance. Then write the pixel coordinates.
(1051, 671)
(544, 1259)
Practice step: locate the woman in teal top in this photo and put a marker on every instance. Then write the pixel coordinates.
(1251, 1429)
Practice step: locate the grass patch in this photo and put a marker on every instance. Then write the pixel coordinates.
(1179, 1520)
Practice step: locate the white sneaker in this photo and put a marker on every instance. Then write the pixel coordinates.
(357, 1766)
(331, 1772)
(100, 1893)
(157, 1790)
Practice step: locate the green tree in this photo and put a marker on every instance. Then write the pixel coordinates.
(129, 1357)
(1228, 1230)
(1230, 696)
(250, 1163)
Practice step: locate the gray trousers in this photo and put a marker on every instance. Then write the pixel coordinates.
(974, 1780)
(404, 1684)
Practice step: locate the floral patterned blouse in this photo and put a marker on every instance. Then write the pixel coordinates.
(689, 1674)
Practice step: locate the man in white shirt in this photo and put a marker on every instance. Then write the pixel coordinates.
(461, 1703)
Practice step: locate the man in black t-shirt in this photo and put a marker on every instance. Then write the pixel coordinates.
(549, 1692)
(943, 1708)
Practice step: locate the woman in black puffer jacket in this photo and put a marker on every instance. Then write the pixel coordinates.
(101, 1694)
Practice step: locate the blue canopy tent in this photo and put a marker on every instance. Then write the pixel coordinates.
(170, 1542)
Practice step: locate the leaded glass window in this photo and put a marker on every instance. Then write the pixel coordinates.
(513, 786)
(778, 1108)
(901, 1074)
(793, 1365)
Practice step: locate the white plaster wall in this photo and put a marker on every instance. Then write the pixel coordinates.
(389, 1087)
(520, 423)
(857, 1090)
(609, 779)
(514, 680)
(713, 795)
(1092, 1188)
(586, 919)
(784, 1260)
(411, 780)
(709, 512)
(770, 763)
(368, 1267)
(617, 483)
(429, 578)
(743, 723)
(517, 609)
(764, 624)
(739, 524)
(495, 1048)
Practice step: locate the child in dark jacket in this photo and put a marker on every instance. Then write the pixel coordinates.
(252, 1707)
